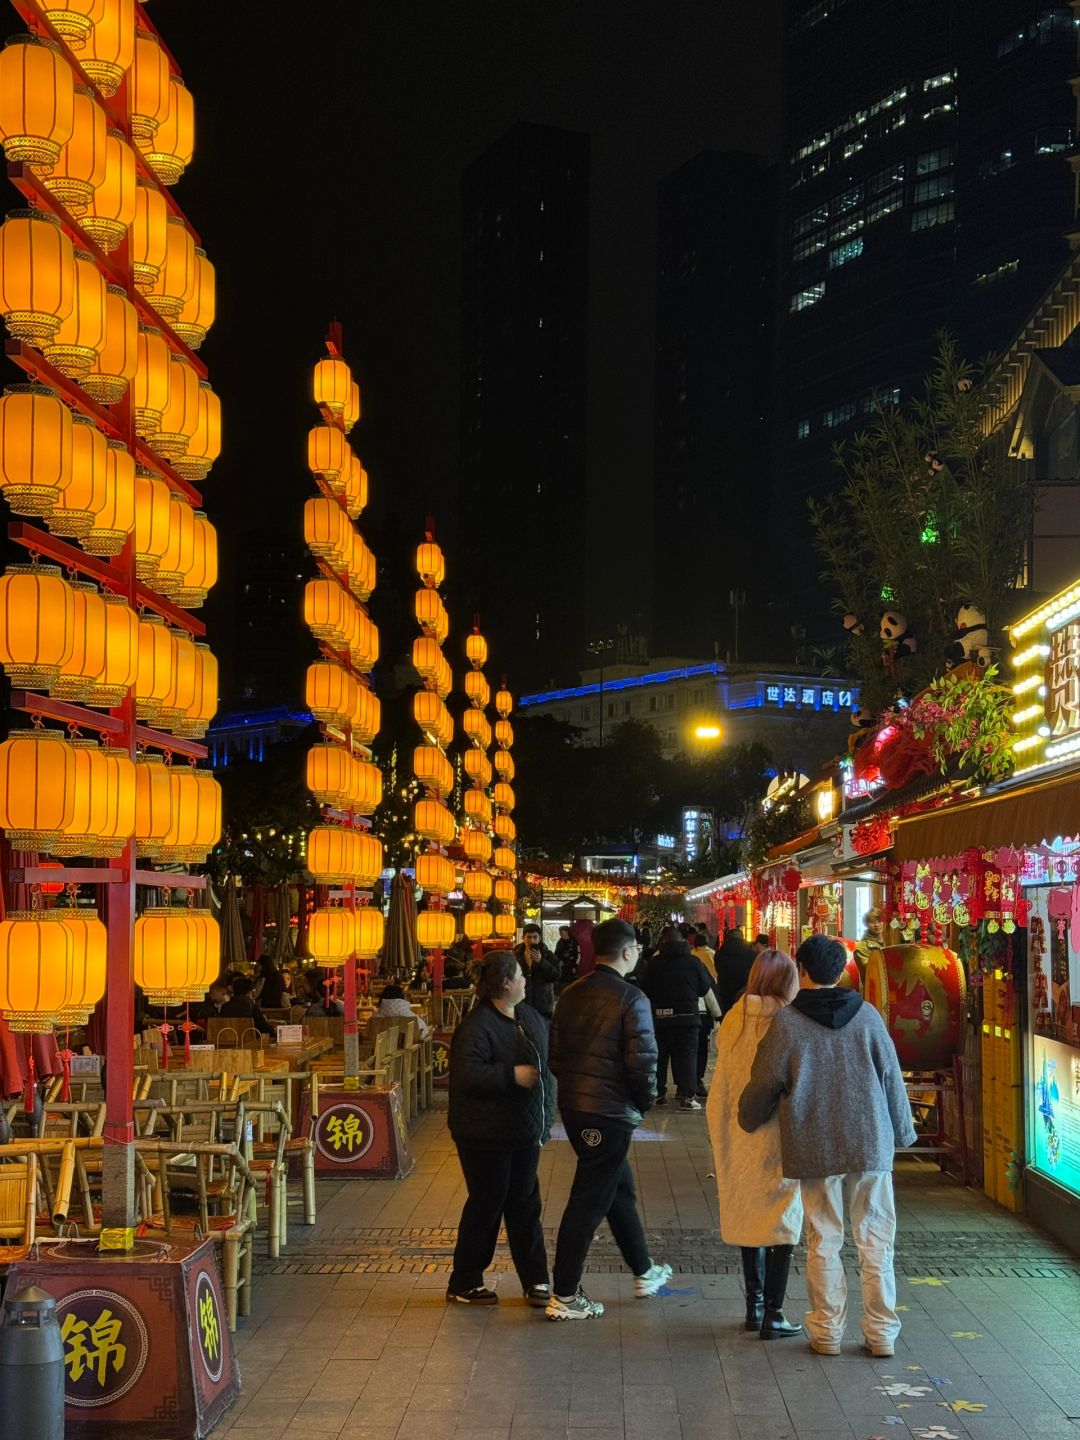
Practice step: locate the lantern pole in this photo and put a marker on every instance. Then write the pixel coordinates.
(117, 879)
(335, 609)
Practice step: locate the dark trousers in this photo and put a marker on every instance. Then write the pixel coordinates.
(678, 1043)
(603, 1188)
(502, 1186)
(704, 1031)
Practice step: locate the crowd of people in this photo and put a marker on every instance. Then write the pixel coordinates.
(805, 1109)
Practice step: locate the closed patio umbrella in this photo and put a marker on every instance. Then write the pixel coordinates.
(399, 946)
(232, 929)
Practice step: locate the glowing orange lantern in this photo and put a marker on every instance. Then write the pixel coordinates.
(326, 530)
(504, 827)
(74, 348)
(505, 891)
(179, 554)
(431, 614)
(330, 692)
(505, 926)
(370, 929)
(176, 278)
(201, 576)
(435, 873)
(476, 649)
(110, 209)
(504, 858)
(181, 696)
(37, 625)
(476, 844)
(153, 804)
(366, 794)
(504, 796)
(37, 101)
(332, 854)
(432, 716)
(204, 447)
(329, 455)
(149, 234)
(477, 688)
(329, 773)
(113, 365)
(150, 89)
(168, 946)
(364, 650)
(332, 384)
(476, 727)
(430, 565)
(87, 964)
(73, 19)
(206, 694)
(87, 659)
(504, 764)
(433, 821)
(362, 571)
(155, 674)
(352, 407)
(35, 958)
(366, 715)
(152, 514)
(331, 935)
(329, 612)
(369, 859)
(80, 167)
(478, 767)
(478, 924)
(504, 732)
(196, 816)
(180, 414)
(150, 387)
(37, 787)
(35, 448)
(197, 315)
(477, 885)
(477, 806)
(426, 657)
(86, 496)
(121, 654)
(170, 152)
(433, 770)
(504, 702)
(110, 46)
(37, 275)
(355, 493)
(435, 929)
(95, 813)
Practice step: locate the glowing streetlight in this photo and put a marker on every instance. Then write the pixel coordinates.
(706, 732)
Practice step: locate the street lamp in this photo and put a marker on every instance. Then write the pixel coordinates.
(600, 648)
(707, 732)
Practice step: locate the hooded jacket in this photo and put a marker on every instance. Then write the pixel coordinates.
(489, 1110)
(675, 981)
(829, 1067)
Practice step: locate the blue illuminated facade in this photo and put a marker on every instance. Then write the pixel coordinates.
(247, 734)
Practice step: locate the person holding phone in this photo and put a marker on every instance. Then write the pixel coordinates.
(541, 971)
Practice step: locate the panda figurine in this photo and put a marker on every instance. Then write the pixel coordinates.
(852, 624)
(896, 636)
(970, 635)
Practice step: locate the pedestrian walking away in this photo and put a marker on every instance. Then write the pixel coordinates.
(760, 1211)
(680, 990)
(733, 960)
(502, 1103)
(603, 1053)
(828, 1066)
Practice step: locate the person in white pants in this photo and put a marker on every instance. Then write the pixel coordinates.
(828, 1066)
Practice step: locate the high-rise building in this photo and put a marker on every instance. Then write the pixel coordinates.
(925, 188)
(273, 646)
(524, 349)
(714, 367)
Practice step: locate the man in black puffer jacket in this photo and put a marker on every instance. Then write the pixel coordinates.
(677, 982)
(603, 1051)
(502, 1102)
(541, 970)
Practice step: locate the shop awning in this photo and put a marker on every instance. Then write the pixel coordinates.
(1028, 815)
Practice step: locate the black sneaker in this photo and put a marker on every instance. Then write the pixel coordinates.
(480, 1296)
(538, 1295)
(661, 1099)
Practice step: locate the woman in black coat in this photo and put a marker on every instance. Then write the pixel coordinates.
(502, 1103)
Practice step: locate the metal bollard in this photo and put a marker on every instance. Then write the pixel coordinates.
(31, 1367)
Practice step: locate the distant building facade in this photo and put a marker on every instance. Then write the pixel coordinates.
(715, 337)
(273, 646)
(524, 353)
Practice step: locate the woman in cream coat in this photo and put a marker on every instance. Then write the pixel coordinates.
(760, 1211)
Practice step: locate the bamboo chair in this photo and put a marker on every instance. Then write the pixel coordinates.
(18, 1208)
(69, 1121)
(226, 1212)
(268, 1158)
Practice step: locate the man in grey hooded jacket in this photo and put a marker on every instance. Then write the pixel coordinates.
(828, 1065)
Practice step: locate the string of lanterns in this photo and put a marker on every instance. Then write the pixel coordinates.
(106, 291)
(433, 821)
(340, 773)
(476, 802)
(504, 826)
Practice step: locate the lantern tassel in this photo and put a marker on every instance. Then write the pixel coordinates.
(186, 1027)
(31, 1081)
(65, 1059)
(165, 1027)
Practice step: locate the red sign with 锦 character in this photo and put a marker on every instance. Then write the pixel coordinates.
(362, 1132)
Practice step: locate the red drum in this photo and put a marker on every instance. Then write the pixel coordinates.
(920, 992)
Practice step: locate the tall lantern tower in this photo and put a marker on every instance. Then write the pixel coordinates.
(342, 854)
(505, 828)
(106, 294)
(476, 801)
(432, 819)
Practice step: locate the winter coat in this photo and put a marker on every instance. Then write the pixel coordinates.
(734, 960)
(540, 978)
(757, 1205)
(674, 982)
(603, 1048)
(828, 1065)
(489, 1110)
(567, 953)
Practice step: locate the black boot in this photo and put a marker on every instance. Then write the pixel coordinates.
(774, 1325)
(753, 1269)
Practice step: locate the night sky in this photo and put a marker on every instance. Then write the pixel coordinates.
(331, 141)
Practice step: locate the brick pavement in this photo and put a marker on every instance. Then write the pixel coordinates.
(351, 1335)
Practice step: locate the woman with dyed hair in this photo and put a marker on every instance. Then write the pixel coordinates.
(760, 1211)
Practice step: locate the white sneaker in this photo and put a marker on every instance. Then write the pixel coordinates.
(579, 1307)
(649, 1283)
(690, 1104)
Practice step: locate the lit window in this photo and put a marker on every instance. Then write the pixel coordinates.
(809, 222)
(802, 428)
(841, 254)
(818, 142)
(991, 277)
(931, 160)
(839, 415)
(933, 188)
(803, 299)
(1053, 139)
(944, 109)
(847, 201)
(989, 168)
(854, 146)
(886, 205)
(935, 82)
(849, 225)
(810, 246)
(931, 215)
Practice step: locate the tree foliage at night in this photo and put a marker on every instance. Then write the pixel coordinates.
(929, 517)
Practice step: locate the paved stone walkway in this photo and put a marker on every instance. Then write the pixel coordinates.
(351, 1335)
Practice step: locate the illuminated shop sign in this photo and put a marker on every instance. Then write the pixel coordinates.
(1046, 682)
